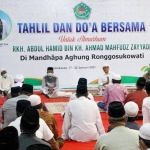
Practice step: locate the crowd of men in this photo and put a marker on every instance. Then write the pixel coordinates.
(26, 124)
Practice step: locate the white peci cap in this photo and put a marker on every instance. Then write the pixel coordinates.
(144, 131)
(131, 109)
(105, 65)
(19, 78)
(116, 77)
(34, 99)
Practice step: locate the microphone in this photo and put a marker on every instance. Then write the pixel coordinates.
(107, 79)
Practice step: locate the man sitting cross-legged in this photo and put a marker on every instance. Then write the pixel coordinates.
(113, 92)
(81, 81)
(82, 121)
(47, 117)
(9, 106)
(50, 83)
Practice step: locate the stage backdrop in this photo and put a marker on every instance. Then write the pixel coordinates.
(75, 37)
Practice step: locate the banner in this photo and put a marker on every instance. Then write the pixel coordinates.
(74, 37)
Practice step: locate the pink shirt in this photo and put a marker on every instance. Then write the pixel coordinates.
(114, 92)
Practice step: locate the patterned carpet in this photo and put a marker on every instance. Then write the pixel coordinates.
(59, 107)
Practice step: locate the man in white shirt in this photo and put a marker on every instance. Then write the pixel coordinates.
(4, 29)
(121, 137)
(20, 107)
(43, 132)
(29, 124)
(82, 121)
(146, 105)
(81, 81)
(105, 79)
(144, 137)
(6, 82)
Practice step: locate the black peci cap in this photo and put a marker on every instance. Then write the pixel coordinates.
(30, 119)
(50, 68)
(27, 88)
(22, 105)
(9, 138)
(116, 110)
(82, 81)
(81, 89)
(141, 82)
(15, 89)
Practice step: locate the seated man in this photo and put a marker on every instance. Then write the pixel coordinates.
(50, 83)
(43, 132)
(29, 124)
(113, 92)
(6, 82)
(82, 121)
(131, 109)
(144, 137)
(20, 107)
(138, 95)
(14, 92)
(47, 117)
(81, 81)
(9, 107)
(121, 137)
